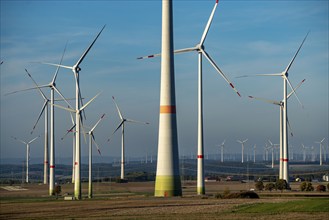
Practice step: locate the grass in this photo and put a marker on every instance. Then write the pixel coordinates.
(307, 205)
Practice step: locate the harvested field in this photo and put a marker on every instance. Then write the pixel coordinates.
(136, 201)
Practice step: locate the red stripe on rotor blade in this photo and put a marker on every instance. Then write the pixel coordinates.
(52, 166)
(150, 56)
(217, 1)
(200, 156)
(167, 109)
(231, 85)
(239, 94)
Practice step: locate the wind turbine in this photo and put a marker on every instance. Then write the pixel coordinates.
(122, 125)
(320, 142)
(242, 148)
(281, 105)
(27, 154)
(91, 140)
(272, 146)
(255, 153)
(284, 75)
(76, 69)
(199, 48)
(73, 146)
(52, 86)
(77, 182)
(304, 152)
(222, 151)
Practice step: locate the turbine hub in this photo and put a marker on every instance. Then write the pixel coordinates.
(200, 47)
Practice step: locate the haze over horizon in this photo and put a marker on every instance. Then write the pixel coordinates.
(245, 38)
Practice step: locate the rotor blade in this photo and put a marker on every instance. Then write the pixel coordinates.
(239, 141)
(176, 51)
(33, 139)
(121, 123)
(134, 121)
(266, 100)
(61, 95)
(223, 142)
(270, 142)
(57, 65)
(292, 60)
(245, 141)
(67, 109)
(83, 107)
(185, 50)
(80, 99)
(219, 71)
(271, 74)
(289, 127)
(87, 50)
(205, 32)
(68, 131)
(116, 105)
(19, 140)
(149, 56)
(93, 137)
(97, 122)
(22, 90)
(60, 63)
(72, 119)
(322, 140)
(35, 83)
(296, 88)
(45, 104)
(83, 129)
(293, 91)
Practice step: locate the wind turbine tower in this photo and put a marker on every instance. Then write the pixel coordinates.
(91, 140)
(122, 125)
(222, 151)
(242, 148)
(167, 181)
(320, 142)
(27, 154)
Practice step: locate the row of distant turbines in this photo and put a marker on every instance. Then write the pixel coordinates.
(167, 178)
(270, 147)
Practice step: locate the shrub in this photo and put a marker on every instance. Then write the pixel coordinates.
(321, 188)
(259, 185)
(269, 186)
(218, 196)
(281, 184)
(226, 191)
(306, 186)
(242, 195)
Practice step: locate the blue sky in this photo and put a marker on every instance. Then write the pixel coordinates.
(245, 38)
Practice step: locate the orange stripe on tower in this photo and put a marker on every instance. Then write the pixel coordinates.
(200, 156)
(52, 166)
(167, 109)
(285, 160)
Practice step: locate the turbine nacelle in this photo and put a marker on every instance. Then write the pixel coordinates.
(199, 47)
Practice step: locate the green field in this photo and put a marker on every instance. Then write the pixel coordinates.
(305, 205)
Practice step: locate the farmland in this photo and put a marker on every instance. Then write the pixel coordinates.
(136, 201)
